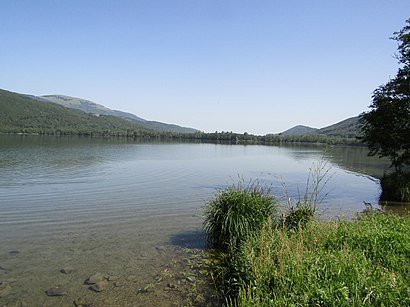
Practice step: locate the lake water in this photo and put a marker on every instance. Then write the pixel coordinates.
(126, 208)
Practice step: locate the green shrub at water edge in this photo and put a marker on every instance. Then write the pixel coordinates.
(343, 263)
(396, 187)
(230, 218)
(237, 212)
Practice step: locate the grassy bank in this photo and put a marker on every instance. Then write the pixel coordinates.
(337, 263)
(364, 262)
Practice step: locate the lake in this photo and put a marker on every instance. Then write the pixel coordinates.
(127, 208)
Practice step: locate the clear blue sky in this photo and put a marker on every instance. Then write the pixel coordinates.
(255, 66)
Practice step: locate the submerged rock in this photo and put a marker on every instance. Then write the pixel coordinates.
(67, 270)
(99, 286)
(56, 291)
(95, 278)
(82, 302)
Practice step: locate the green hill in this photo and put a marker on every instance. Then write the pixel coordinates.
(24, 114)
(299, 130)
(94, 108)
(87, 106)
(348, 128)
(29, 114)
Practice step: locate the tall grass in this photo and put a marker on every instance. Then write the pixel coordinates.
(231, 217)
(260, 259)
(358, 263)
(237, 212)
(303, 209)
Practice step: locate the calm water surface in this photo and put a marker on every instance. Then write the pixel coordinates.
(122, 208)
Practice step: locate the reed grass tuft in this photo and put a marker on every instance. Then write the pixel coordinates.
(237, 212)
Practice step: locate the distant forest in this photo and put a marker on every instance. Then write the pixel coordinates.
(22, 114)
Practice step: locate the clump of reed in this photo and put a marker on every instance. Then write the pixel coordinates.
(231, 217)
(303, 209)
(237, 212)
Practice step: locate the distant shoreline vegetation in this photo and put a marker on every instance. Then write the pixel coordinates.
(213, 137)
(25, 114)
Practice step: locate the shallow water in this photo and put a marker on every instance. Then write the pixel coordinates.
(127, 209)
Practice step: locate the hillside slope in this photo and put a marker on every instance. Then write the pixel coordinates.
(87, 106)
(23, 114)
(94, 108)
(348, 128)
(20, 113)
(299, 130)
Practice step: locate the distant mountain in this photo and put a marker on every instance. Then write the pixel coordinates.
(87, 106)
(94, 108)
(299, 130)
(21, 113)
(348, 128)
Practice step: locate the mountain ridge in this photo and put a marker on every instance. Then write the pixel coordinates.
(22, 113)
(299, 130)
(348, 128)
(95, 108)
(84, 113)
(87, 106)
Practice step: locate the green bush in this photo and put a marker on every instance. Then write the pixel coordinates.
(235, 213)
(298, 217)
(396, 187)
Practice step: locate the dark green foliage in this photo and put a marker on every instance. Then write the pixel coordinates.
(396, 187)
(235, 213)
(298, 217)
(348, 128)
(386, 128)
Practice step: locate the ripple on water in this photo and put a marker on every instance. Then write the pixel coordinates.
(101, 207)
